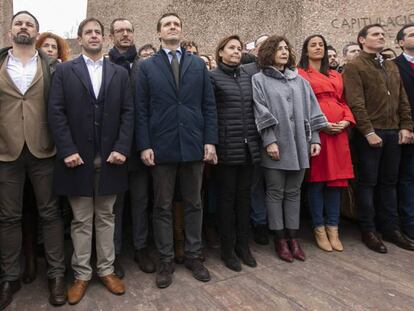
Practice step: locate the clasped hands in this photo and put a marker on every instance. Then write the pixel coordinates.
(75, 159)
(210, 155)
(334, 128)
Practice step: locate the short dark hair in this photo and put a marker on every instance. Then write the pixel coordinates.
(186, 43)
(304, 58)
(88, 20)
(146, 47)
(111, 26)
(166, 15)
(401, 34)
(248, 58)
(27, 13)
(364, 31)
(223, 42)
(330, 47)
(346, 47)
(267, 51)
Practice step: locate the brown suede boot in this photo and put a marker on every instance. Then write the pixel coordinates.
(179, 237)
(322, 239)
(333, 236)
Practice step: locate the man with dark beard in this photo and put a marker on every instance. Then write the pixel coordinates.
(91, 117)
(124, 54)
(332, 57)
(27, 149)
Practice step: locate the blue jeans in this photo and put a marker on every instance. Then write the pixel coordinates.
(258, 211)
(406, 188)
(324, 199)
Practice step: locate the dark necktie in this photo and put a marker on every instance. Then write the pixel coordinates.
(175, 65)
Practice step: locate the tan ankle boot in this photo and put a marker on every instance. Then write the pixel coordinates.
(334, 238)
(322, 239)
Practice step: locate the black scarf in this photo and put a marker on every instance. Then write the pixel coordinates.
(124, 59)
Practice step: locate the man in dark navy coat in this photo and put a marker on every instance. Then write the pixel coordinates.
(405, 63)
(176, 130)
(91, 117)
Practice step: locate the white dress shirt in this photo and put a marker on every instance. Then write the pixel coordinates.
(21, 74)
(95, 73)
(409, 58)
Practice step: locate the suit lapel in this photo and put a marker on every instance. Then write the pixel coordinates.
(39, 73)
(5, 75)
(405, 65)
(81, 71)
(164, 66)
(185, 63)
(108, 73)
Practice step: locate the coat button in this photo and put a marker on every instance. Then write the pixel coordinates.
(180, 103)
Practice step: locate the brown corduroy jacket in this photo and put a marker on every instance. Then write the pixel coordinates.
(376, 95)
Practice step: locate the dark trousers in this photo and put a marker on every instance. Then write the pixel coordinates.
(258, 213)
(406, 188)
(12, 180)
(324, 200)
(138, 196)
(378, 168)
(233, 205)
(164, 176)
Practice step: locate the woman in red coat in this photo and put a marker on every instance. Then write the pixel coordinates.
(330, 171)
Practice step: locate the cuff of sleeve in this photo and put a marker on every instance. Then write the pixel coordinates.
(315, 138)
(268, 137)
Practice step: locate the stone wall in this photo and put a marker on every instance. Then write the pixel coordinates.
(6, 12)
(206, 21)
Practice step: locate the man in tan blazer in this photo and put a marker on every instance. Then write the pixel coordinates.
(26, 149)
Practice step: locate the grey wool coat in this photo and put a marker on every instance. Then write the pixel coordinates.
(287, 113)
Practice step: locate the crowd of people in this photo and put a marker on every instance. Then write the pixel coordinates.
(195, 142)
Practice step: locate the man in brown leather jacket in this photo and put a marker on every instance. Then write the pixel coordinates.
(376, 95)
(27, 149)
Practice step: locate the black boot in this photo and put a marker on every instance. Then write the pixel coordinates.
(244, 253)
(229, 257)
(7, 290)
(261, 234)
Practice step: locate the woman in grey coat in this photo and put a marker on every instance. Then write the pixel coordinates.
(288, 118)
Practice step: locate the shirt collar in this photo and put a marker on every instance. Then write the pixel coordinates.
(90, 61)
(10, 52)
(167, 51)
(409, 58)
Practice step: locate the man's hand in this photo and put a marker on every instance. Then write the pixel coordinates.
(73, 160)
(374, 140)
(315, 150)
(273, 151)
(210, 155)
(147, 156)
(116, 158)
(333, 128)
(405, 137)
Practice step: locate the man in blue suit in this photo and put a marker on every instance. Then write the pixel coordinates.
(405, 63)
(91, 115)
(176, 130)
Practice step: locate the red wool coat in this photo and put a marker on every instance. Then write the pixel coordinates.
(334, 164)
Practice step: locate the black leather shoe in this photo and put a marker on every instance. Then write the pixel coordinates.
(374, 243)
(163, 278)
(246, 256)
(7, 290)
(199, 271)
(261, 234)
(144, 261)
(232, 262)
(397, 238)
(118, 270)
(57, 291)
(409, 233)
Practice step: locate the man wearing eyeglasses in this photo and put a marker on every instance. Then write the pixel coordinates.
(124, 53)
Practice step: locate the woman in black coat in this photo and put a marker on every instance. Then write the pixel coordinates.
(237, 151)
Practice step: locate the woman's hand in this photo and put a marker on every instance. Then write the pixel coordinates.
(315, 150)
(333, 128)
(273, 151)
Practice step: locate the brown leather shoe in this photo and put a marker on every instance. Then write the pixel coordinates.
(113, 284)
(77, 291)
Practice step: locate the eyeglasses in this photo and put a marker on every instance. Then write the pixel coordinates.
(122, 30)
